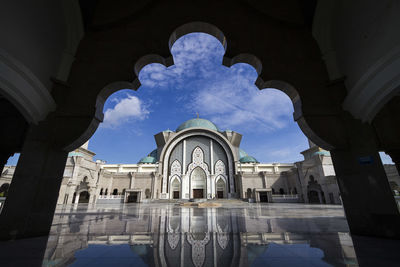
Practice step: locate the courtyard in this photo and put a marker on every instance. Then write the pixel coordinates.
(216, 233)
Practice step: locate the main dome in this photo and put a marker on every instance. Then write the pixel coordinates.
(201, 123)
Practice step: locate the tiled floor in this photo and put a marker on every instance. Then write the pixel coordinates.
(235, 234)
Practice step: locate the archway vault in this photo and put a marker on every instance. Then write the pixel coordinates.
(285, 56)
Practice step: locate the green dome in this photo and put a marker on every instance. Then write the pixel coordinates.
(201, 123)
(248, 159)
(148, 160)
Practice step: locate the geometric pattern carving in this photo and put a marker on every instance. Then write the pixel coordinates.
(220, 167)
(222, 236)
(173, 239)
(176, 168)
(198, 249)
(198, 161)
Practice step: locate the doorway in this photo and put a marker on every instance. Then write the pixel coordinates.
(176, 194)
(84, 197)
(263, 197)
(220, 194)
(198, 193)
(313, 197)
(133, 197)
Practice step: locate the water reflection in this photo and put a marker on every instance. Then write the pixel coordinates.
(168, 235)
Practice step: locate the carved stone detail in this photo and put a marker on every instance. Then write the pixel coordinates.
(198, 249)
(176, 168)
(220, 167)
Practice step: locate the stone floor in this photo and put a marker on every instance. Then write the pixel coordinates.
(232, 234)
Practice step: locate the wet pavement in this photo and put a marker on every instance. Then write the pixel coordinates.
(234, 234)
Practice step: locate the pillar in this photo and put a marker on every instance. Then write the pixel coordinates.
(77, 198)
(30, 205)
(395, 155)
(367, 198)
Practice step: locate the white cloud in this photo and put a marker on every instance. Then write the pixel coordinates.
(126, 109)
(235, 101)
(194, 55)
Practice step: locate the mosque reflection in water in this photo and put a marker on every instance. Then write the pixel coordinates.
(191, 236)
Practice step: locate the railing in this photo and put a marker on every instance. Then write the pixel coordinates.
(111, 196)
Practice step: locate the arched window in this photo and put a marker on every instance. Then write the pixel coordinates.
(101, 192)
(295, 191)
(4, 189)
(281, 191)
(106, 193)
(273, 191)
(248, 193)
(115, 192)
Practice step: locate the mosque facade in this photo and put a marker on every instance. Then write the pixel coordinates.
(199, 161)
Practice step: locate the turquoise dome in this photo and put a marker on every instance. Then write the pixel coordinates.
(248, 159)
(150, 158)
(201, 123)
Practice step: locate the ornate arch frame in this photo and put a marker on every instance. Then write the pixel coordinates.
(215, 136)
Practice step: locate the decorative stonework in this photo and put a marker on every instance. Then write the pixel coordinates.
(198, 161)
(176, 168)
(173, 235)
(220, 167)
(222, 236)
(198, 249)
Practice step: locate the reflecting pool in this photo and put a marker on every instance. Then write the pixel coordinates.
(173, 235)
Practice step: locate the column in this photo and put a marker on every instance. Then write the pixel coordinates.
(367, 198)
(77, 198)
(395, 155)
(30, 205)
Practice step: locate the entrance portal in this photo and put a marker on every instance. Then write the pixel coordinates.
(220, 194)
(133, 197)
(198, 182)
(198, 193)
(313, 197)
(263, 197)
(176, 195)
(84, 197)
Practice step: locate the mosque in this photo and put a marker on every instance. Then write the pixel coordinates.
(199, 161)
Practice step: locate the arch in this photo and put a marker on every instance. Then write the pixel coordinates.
(106, 193)
(247, 58)
(4, 189)
(84, 197)
(169, 146)
(101, 191)
(22, 88)
(249, 193)
(220, 187)
(198, 183)
(115, 192)
(281, 191)
(176, 188)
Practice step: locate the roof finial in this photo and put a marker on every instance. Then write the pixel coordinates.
(197, 114)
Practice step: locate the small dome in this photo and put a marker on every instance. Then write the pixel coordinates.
(248, 159)
(148, 160)
(201, 123)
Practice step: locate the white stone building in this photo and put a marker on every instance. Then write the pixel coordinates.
(199, 161)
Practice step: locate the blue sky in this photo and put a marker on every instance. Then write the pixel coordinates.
(198, 83)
